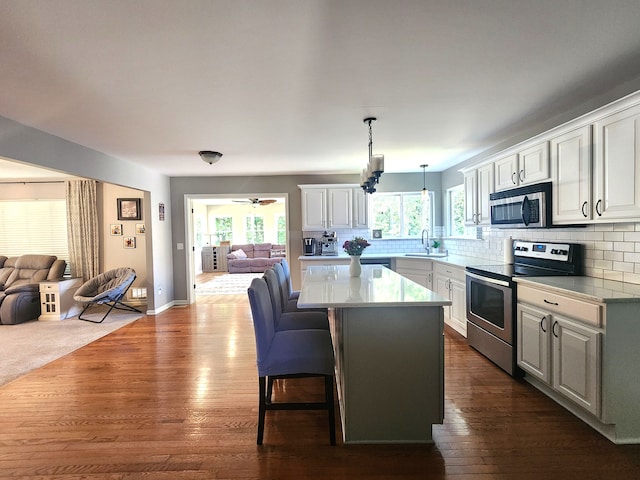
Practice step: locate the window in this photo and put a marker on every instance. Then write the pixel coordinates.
(455, 211)
(222, 229)
(254, 228)
(402, 214)
(281, 229)
(34, 227)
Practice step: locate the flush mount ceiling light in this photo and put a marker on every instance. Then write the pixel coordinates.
(371, 175)
(424, 179)
(210, 157)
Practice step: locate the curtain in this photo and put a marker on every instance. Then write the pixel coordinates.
(82, 228)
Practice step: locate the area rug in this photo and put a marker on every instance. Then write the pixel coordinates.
(31, 345)
(227, 284)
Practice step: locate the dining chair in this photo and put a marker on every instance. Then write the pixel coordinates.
(288, 354)
(290, 317)
(292, 294)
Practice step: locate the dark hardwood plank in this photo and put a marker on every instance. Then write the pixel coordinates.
(175, 397)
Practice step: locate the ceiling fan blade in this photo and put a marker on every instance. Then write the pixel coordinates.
(267, 202)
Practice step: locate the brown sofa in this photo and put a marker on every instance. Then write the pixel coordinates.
(254, 258)
(20, 279)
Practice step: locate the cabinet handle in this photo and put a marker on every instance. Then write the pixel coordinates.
(542, 323)
(521, 176)
(550, 303)
(597, 207)
(513, 178)
(553, 329)
(584, 214)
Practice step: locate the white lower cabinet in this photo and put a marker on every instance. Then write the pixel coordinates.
(418, 270)
(449, 281)
(562, 353)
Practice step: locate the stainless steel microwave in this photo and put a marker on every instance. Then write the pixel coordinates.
(522, 207)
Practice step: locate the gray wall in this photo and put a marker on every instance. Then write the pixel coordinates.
(26, 144)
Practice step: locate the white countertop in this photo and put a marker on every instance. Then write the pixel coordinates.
(331, 286)
(587, 288)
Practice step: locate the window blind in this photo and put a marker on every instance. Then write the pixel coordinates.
(33, 227)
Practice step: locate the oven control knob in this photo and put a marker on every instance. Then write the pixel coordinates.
(563, 252)
(554, 251)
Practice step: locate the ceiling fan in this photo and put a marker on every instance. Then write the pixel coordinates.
(256, 201)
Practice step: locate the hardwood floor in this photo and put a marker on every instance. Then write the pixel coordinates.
(175, 397)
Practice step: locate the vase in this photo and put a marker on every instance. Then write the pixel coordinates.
(355, 269)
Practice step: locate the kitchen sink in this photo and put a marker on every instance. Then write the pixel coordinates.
(425, 254)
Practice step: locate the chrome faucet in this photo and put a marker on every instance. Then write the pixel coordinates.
(425, 245)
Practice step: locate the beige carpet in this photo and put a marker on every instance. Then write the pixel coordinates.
(31, 345)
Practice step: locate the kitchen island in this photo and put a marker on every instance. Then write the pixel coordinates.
(387, 333)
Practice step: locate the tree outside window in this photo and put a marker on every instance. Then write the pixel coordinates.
(455, 211)
(281, 226)
(402, 214)
(254, 229)
(223, 229)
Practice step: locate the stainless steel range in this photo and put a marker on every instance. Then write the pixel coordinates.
(491, 295)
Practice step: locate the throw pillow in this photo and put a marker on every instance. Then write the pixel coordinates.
(239, 253)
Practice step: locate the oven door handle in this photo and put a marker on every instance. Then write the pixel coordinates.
(487, 279)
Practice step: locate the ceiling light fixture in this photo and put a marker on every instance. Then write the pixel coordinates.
(210, 157)
(371, 175)
(424, 180)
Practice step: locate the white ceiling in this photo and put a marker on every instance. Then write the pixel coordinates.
(282, 86)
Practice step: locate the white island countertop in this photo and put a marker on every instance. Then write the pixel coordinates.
(377, 286)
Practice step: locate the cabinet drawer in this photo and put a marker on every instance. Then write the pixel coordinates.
(454, 273)
(412, 265)
(589, 313)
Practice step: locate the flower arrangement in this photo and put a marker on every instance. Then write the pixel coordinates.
(355, 246)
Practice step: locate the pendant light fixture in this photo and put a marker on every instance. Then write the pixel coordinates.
(375, 167)
(425, 192)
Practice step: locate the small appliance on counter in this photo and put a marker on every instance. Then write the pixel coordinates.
(309, 246)
(329, 243)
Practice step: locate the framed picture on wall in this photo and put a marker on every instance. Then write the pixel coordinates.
(140, 229)
(116, 229)
(129, 242)
(129, 209)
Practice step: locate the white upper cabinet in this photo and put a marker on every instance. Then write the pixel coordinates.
(340, 211)
(528, 166)
(572, 178)
(314, 209)
(506, 169)
(360, 208)
(333, 207)
(478, 184)
(617, 165)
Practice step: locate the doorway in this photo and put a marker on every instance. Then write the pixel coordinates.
(223, 220)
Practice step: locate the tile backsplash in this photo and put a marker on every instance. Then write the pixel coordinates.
(612, 250)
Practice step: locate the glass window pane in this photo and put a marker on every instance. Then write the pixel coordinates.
(386, 214)
(455, 210)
